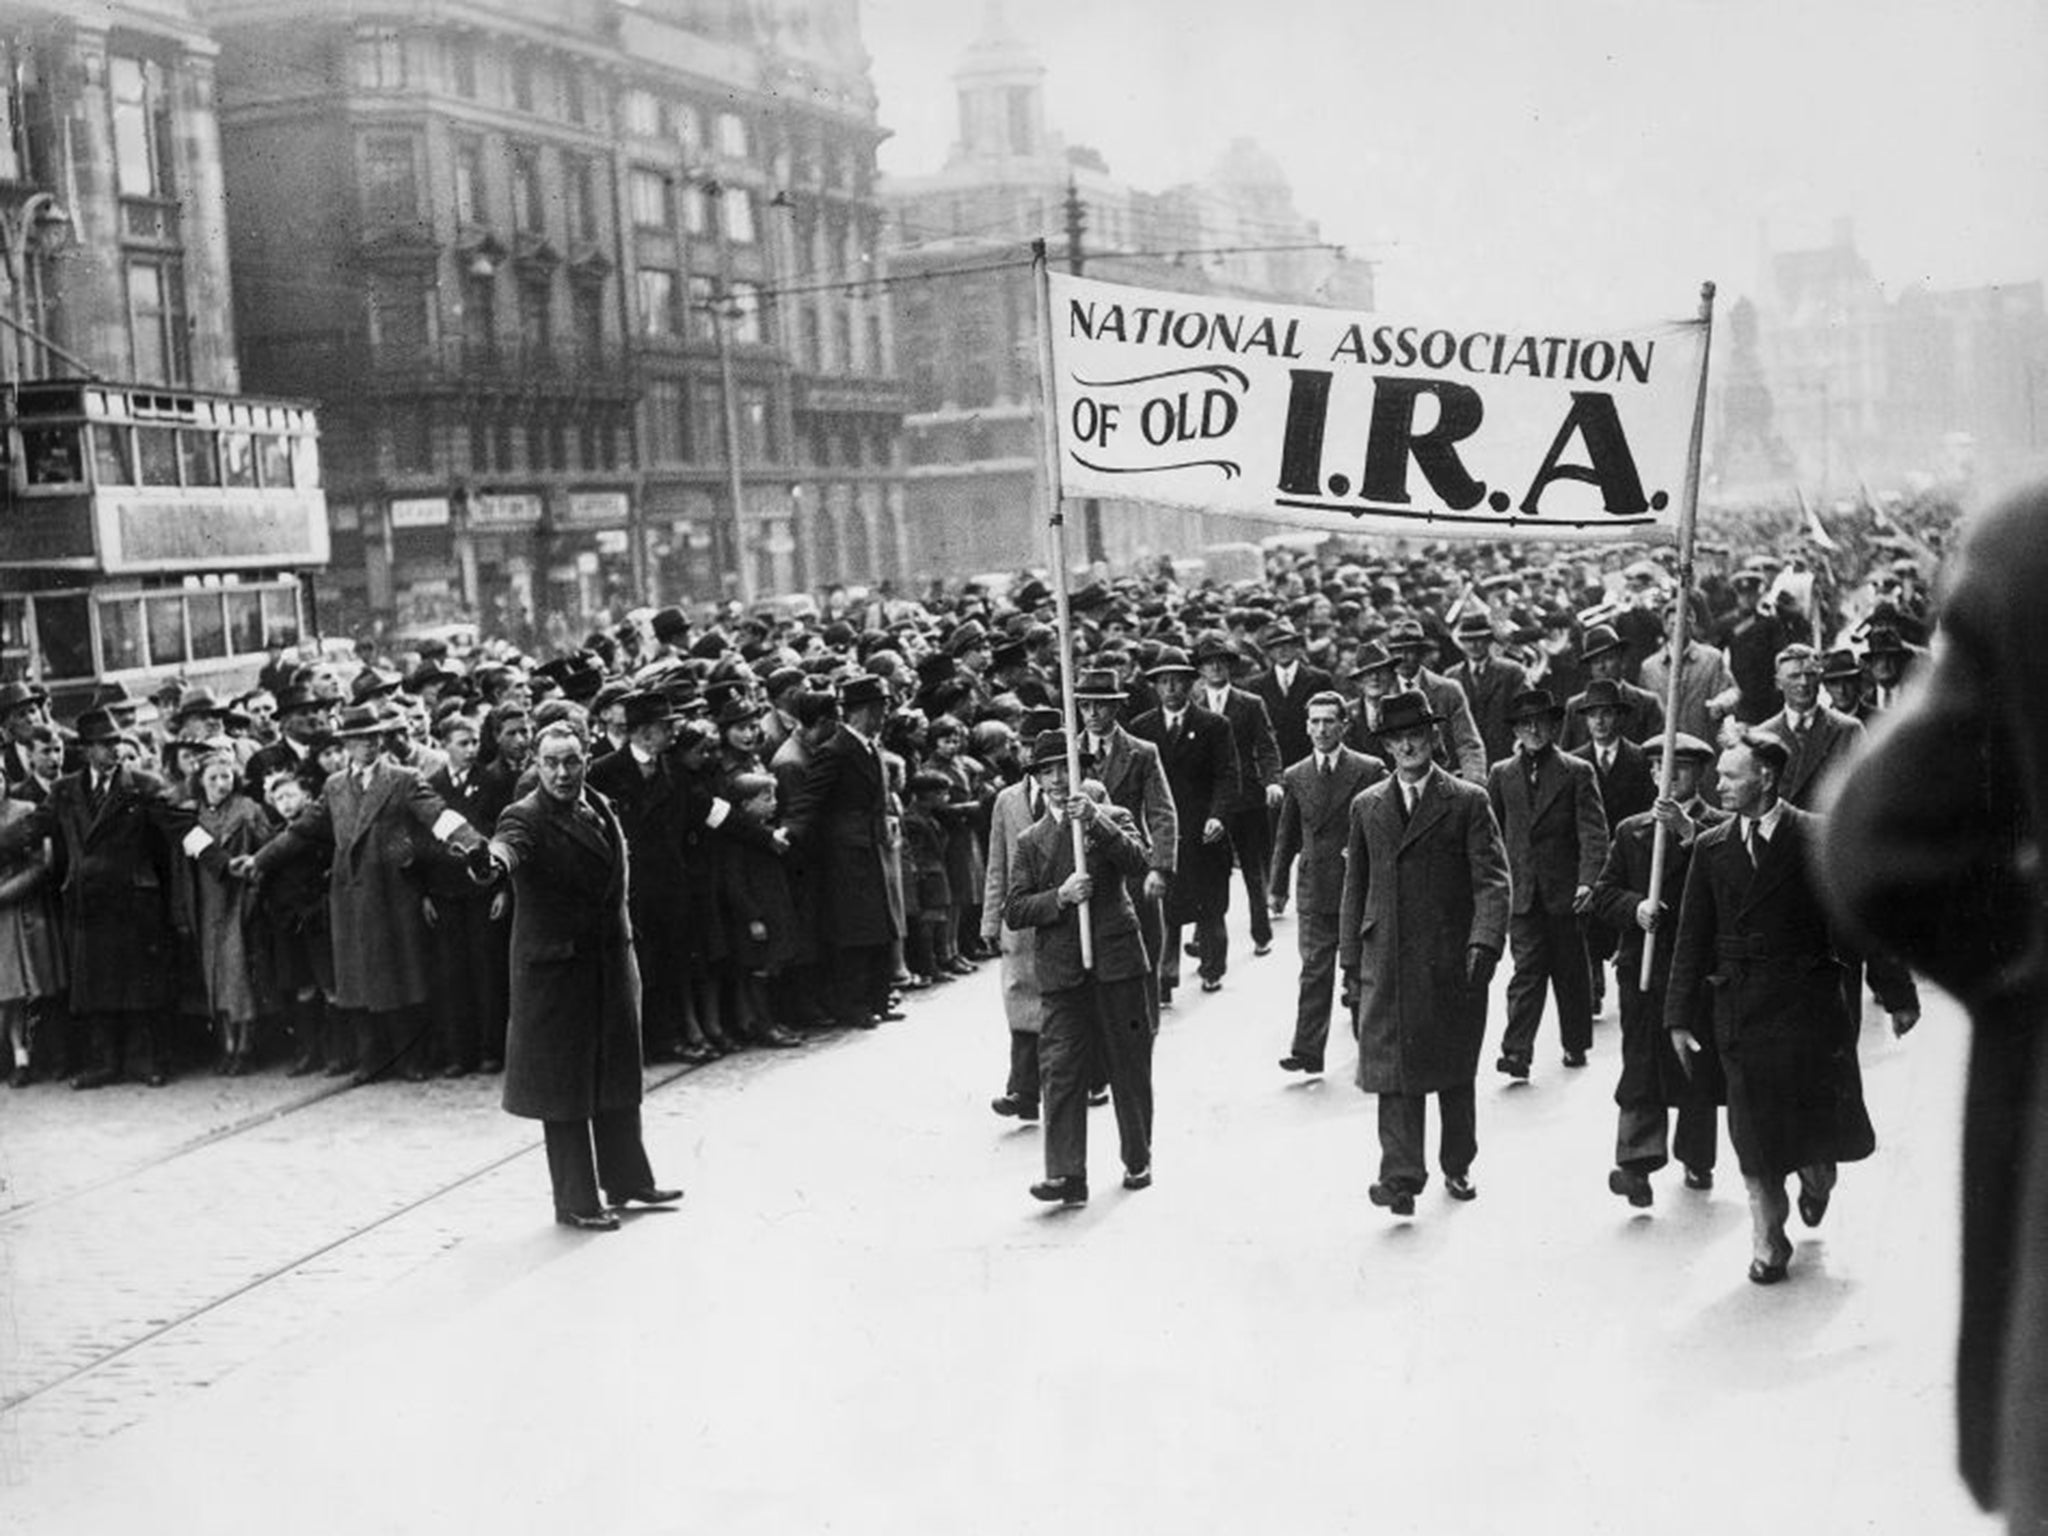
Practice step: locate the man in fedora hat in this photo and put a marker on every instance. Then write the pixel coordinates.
(838, 820)
(119, 842)
(1750, 639)
(1315, 819)
(1285, 688)
(23, 708)
(1199, 755)
(1653, 1080)
(1460, 745)
(1842, 680)
(1131, 774)
(466, 918)
(1420, 929)
(1627, 776)
(1605, 655)
(301, 717)
(1100, 1012)
(1888, 661)
(1548, 806)
(1490, 682)
(1247, 814)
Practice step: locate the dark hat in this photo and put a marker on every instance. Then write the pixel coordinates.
(1598, 641)
(837, 635)
(782, 679)
(669, 623)
(113, 694)
(1688, 747)
(1171, 659)
(935, 668)
(738, 709)
(1213, 645)
(1009, 654)
(1408, 635)
(1281, 633)
(372, 683)
(865, 689)
(1476, 625)
(1089, 598)
(648, 707)
(1604, 693)
(1030, 595)
(1100, 683)
(97, 725)
(1037, 719)
(366, 719)
(297, 697)
(200, 701)
(968, 635)
(610, 694)
(1406, 711)
(1841, 664)
(1883, 640)
(1371, 657)
(708, 646)
(1531, 703)
(1047, 747)
(16, 694)
(427, 675)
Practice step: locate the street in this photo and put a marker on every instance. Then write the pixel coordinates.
(354, 1315)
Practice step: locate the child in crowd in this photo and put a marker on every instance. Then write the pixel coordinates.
(927, 892)
(760, 921)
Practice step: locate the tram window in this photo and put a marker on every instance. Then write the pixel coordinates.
(110, 457)
(305, 461)
(245, 623)
(156, 454)
(237, 459)
(209, 633)
(52, 455)
(277, 459)
(64, 635)
(121, 634)
(196, 452)
(280, 617)
(166, 629)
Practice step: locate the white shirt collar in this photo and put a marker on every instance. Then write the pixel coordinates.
(1766, 826)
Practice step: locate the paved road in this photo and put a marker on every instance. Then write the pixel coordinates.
(356, 1316)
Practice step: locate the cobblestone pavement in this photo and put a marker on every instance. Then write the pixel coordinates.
(356, 1316)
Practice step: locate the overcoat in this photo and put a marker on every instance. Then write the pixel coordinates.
(1044, 859)
(1825, 746)
(382, 957)
(1009, 819)
(753, 888)
(116, 867)
(1638, 724)
(1131, 773)
(1417, 895)
(1200, 760)
(1489, 691)
(1626, 788)
(31, 948)
(572, 1047)
(792, 760)
(1557, 839)
(1315, 816)
(1758, 936)
(1258, 753)
(839, 821)
(1287, 707)
(224, 908)
(1459, 747)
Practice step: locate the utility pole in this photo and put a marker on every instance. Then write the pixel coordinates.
(1077, 226)
(743, 565)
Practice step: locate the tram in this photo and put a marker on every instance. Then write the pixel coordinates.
(148, 532)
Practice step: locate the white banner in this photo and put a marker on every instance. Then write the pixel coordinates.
(1320, 418)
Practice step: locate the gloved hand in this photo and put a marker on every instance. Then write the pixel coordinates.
(1479, 965)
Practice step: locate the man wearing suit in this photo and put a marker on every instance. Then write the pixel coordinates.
(24, 708)
(1246, 817)
(639, 785)
(1548, 806)
(804, 983)
(1200, 758)
(1130, 773)
(301, 718)
(1931, 850)
(1752, 925)
(1424, 915)
(838, 821)
(1703, 679)
(1819, 738)
(1490, 683)
(1459, 744)
(1750, 640)
(573, 1049)
(118, 841)
(1628, 784)
(1285, 689)
(1605, 654)
(1315, 817)
(467, 919)
(1101, 1012)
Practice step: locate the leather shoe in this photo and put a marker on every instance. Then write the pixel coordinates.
(1294, 1063)
(1459, 1187)
(1813, 1206)
(1072, 1190)
(1699, 1178)
(1514, 1066)
(1398, 1201)
(455, 1069)
(782, 1039)
(22, 1077)
(588, 1221)
(1633, 1186)
(1097, 1097)
(1575, 1058)
(1265, 948)
(649, 1196)
(889, 1015)
(864, 1021)
(1770, 1271)
(1211, 984)
(1142, 1179)
(1011, 1104)
(99, 1077)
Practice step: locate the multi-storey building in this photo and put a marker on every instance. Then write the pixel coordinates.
(965, 312)
(540, 259)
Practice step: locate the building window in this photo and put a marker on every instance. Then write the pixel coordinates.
(536, 318)
(665, 421)
(528, 215)
(522, 80)
(697, 208)
(398, 314)
(470, 206)
(156, 321)
(582, 198)
(686, 125)
(412, 439)
(649, 194)
(462, 66)
(745, 311)
(738, 206)
(703, 294)
(657, 301)
(574, 106)
(810, 338)
(391, 193)
(479, 316)
(875, 361)
(757, 442)
(22, 152)
(643, 114)
(142, 128)
(842, 337)
(732, 135)
(707, 425)
(379, 59)
(586, 314)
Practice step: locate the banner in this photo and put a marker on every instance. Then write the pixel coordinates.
(1321, 418)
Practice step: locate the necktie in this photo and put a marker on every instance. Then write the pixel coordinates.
(1749, 840)
(1409, 794)
(1327, 765)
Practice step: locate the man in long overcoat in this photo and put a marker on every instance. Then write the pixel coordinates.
(1130, 772)
(1424, 918)
(1200, 758)
(377, 816)
(839, 822)
(572, 1050)
(118, 839)
(1247, 813)
(1933, 851)
(1752, 926)
(1285, 689)
(1315, 820)
(805, 985)
(1628, 784)
(1491, 683)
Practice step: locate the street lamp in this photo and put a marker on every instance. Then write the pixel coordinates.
(38, 226)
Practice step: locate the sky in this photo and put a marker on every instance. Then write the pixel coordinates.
(1567, 160)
